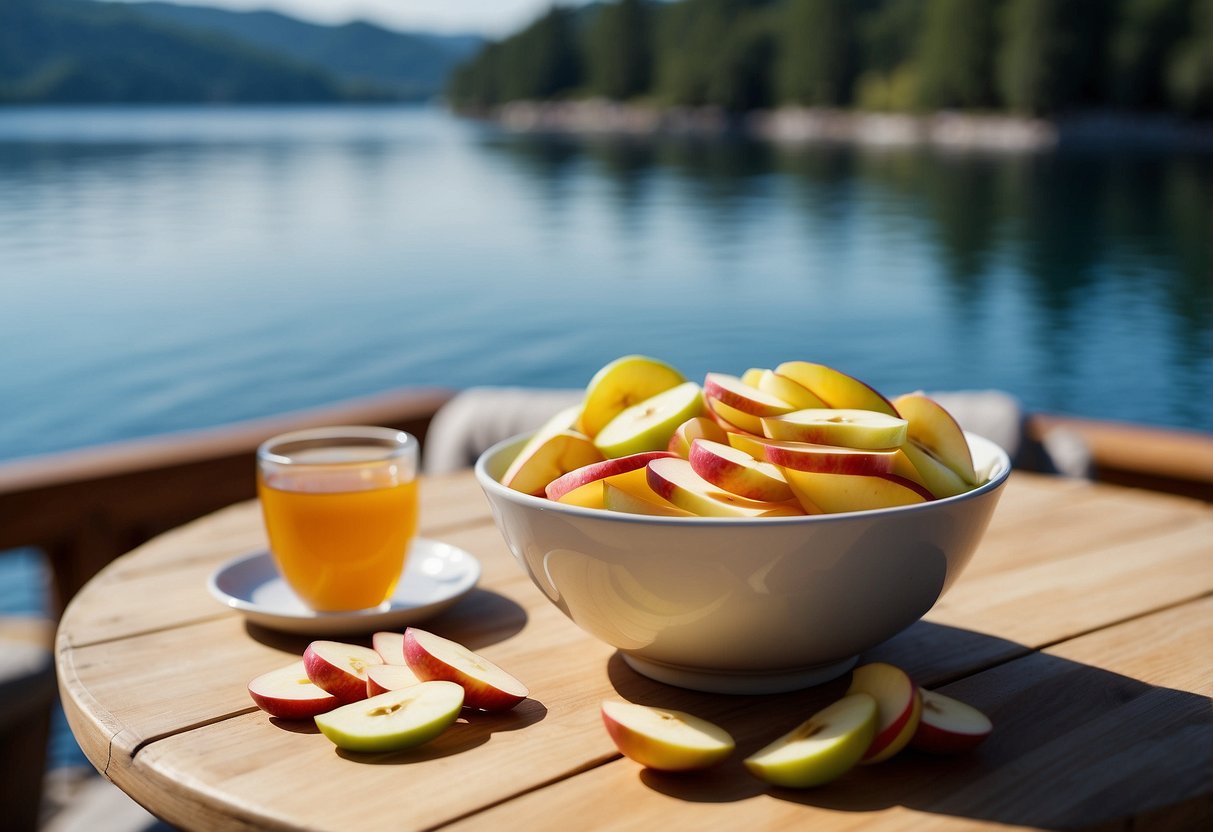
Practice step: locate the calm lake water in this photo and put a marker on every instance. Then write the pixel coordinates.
(166, 269)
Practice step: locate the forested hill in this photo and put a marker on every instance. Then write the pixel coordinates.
(81, 51)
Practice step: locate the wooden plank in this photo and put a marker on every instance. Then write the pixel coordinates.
(1110, 725)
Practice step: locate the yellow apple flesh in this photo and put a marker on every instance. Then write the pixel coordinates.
(557, 455)
(675, 480)
(782, 387)
(898, 704)
(836, 493)
(838, 426)
(697, 427)
(622, 383)
(738, 473)
(824, 747)
(835, 388)
(663, 739)
(933, 428)
(648, 426)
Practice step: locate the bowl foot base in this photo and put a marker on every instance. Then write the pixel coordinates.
(743, 683)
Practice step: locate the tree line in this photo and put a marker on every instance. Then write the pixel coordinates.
(1033, 57)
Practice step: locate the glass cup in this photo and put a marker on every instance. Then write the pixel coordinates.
(340, 508)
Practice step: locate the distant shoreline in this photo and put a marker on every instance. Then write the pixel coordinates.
(795, 125)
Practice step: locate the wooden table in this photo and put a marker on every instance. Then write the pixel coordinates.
(1083, 627)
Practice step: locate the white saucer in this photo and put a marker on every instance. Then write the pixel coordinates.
(435, 576)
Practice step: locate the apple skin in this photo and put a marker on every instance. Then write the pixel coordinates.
(949, 726)
(389, 646)
(924, 468)
(620, 384)
(738, 473)
(381, 678)
(557, 455)
(834, 388)
(932, 427)
(697, 427)
(898, 703)
(663, 739)
(595, 472)
(648, 426)
(732, 419)
(822, 459)
(395, 720)
(674, 480)
(287, 693)
(735, 393)
(486, 686)
(822, 748)
(838, 426)
(339, 668)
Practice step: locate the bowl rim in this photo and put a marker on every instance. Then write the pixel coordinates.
(1000, 472)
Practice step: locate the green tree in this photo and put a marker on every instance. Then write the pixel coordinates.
(542, 60)
(955, 54)
(1190, 67)
(619, 50)
(818, 53)
(1050, 53)
(1141, 45)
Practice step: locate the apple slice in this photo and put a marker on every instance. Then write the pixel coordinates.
(558, 454)
(615, 498)
(563, 420)
(589, 476)
(949, 726)
(394, 720)
(676, 481)
(732, 391)
(339, 668)
(782, 387)
(838, 426)
(820, 749)
(487, 687)
(752, 375)
(622, 383)
(825, 459)
(934, 429)
(389, 646)
(381, 678)
(916, 463)
(665, 740)
(288, 693)
(732, 419)
(835, 388)
(836, 493)
(898, 704)
(738, 473)
(648, 426)
(697, 427)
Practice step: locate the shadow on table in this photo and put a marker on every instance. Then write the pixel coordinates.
(1073, 745)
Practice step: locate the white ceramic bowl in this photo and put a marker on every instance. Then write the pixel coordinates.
(743, 606)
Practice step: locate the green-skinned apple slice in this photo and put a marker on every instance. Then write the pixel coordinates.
(697, 427)
(738, 473)
(838, 426)
(395, 720)
(933, 429)
(675, 480)
(825, 746)
(666, 740)
(557, 455)
(648, 426)
(836, 389)
(289, 694)
(486, 686)
(949, 726)
(898, 703)
(622, 383)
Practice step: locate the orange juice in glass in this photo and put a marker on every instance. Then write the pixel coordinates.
(340, 509)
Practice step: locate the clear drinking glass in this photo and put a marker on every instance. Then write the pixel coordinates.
(340, 508)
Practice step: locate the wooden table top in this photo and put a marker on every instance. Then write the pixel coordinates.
(1083, 626)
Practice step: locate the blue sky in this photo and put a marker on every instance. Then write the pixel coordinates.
(493, 18)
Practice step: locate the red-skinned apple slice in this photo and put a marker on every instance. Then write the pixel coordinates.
(836, 493)
(486, 686)
(663, 739)
(934, 429)
(835, 388)
(916, 463)
(732, 419)
(381, 678)
(339, 668)
(949, 726)
(697, 427)
(732, 391)
(389, 646)
(782, 387)
(825, 459)
(676, 481)
(823, 747)
(898, 705)
(737, 472)
(615, 498)
(595, 472)
(558, 454)
(838, 426)
(394, 720)
(289, 694)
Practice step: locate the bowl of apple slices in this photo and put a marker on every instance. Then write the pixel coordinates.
(746, 534)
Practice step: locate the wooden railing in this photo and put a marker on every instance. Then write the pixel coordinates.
(83, 508)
